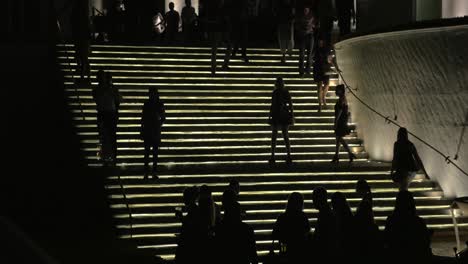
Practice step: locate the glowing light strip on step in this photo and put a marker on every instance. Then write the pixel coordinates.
(201, 118)
(222, 147)
(252, 203)
(223, 132)
(180, 111)
(206, 163)
(214, 78)
(269, 174)
(135, 65)
(251, 184)
(229, 155)
(185, 72)
(174, 53)
(193, 140)
(182, 91)
(207, 125)
(95, 58)
(196, 84)
(256, 193)
(164, 47)
(280, 211)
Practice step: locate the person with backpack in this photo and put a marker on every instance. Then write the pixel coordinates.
(281, 116)
(152, 120)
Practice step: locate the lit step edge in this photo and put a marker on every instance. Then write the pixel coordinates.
(269, 174)
(281, 202)
(245, 184)
(284, 192)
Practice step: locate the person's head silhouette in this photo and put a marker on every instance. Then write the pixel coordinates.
(188, 3)
(171, 6)
(340, 205)
(279, 84)
(229, 198)
(340, 90)
(402, 135)
(190, 195)
(153, 94)
(295, 203)
(235, 186)
(319, 198)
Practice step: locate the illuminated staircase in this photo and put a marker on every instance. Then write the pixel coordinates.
(216, 130)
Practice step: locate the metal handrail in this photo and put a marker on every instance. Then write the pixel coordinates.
(447, 158)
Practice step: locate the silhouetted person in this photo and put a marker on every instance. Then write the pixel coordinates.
(324, 239)
(240, 28)
(159, 26)
(406, 161)
(81, 33)
(305, 24)
(285, 12)
(190, 197)
(368, 238)
(210, 217)
(189, 248)
(217, 21)
(364, 190)
(152, 120)
(345, 11)
(406, 234)
(107, 100)
(345, 227)
(292, 229)
(322, 66)
(189, 19)
(172, 19)
(281, 117)
(341, 123)
(235, 186)
(235, 240)
(326, 16)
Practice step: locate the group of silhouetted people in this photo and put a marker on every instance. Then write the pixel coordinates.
(339, 234)
(208, 237)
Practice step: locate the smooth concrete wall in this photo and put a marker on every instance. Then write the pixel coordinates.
(422, 77)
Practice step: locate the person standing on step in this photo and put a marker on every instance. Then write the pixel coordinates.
(81, 32)
(217, 25)
(172, 19)
(189, 19)
(305, 24)
(326, 16)
(322, 67)
(406, 161)
(284, 11)
(240, 28)
(281, 117)
(341, 123)
(107, 100)
(152, 120)
(345, 11)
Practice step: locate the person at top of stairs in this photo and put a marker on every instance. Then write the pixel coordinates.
(281, 116)
(172, 19)
(152, 120)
